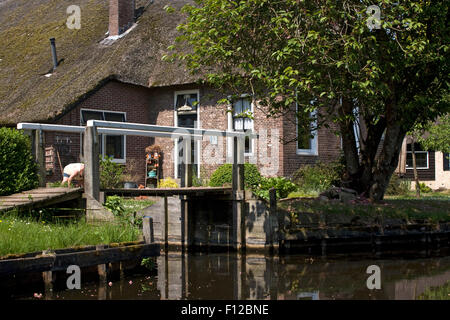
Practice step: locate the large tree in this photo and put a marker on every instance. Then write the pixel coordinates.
(335, 56)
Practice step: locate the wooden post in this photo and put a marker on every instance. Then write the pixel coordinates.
(47, 276)
(91, 162)
(272, 215)
(147, 226)
(39, 154)
(187, 162)
(238, 194)
(102, 268)
(187, 182)
(166, 224)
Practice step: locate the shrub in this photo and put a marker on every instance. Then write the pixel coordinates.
(110, 173)
(282, 185)
(18, 169)
(424, 188)
(224, 175)
(318, 177)
(397, 186)
(168, 183)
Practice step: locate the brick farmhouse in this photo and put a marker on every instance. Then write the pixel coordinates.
(120, 76)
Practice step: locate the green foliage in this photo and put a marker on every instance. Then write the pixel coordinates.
(125, 210)
(18, 170)
(26, 234)
(168, 183)
(224, 176)
(58, 184)
(397, 186)
(282, 185)
(318, 177)
(150, 263)
(111, 173)
(436, 293)
(424, 188)
(438, 135)
(291, 52)
(115, 205)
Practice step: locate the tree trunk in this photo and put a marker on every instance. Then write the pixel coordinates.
(416, 176)
(369, 172)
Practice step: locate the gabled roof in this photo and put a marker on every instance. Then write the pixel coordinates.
(26, 26)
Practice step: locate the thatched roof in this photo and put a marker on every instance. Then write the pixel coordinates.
(25, 28)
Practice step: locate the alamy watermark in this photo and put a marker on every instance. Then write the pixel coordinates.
(374, 280)
(374, 20)
(74, 280)
(74, 19)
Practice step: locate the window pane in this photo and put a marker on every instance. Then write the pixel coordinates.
(90, 115)
(238, 124)
(248, 123)
(187, 99)
(246, 105)
(248, 145)
(237, 106)
(421, 159)
(187, 121)
(303, 131)
(118, 117)
(115, 146)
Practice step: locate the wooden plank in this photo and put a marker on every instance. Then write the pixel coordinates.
(60, 262)
(96, 257)
(35, 264)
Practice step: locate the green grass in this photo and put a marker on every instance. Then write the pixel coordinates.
(303, 194)
(433, 207)
(132, 205)
(437, 293)
(23, 235)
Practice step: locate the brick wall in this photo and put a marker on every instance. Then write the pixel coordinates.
(156, 106)
(114, 96)
(329, 146)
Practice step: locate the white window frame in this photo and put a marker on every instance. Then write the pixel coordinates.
(122, 160)
(314, 150)
(175, 123)
(418, 168)
(252, 126)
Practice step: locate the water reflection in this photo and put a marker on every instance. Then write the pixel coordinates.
(232, 276)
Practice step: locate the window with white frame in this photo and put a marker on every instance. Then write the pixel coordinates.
(306, 133)
(187, 115)
(421, 157)
(243, 119)
(113, 146)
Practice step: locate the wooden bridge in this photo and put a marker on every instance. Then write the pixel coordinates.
(38, 198)
(92, 192)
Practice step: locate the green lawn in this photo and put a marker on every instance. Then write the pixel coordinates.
(433, 206)
(23, 234)
(437, 293)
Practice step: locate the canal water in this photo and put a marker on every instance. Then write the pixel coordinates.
(294, 277)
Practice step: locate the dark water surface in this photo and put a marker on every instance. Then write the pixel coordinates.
(231, 276)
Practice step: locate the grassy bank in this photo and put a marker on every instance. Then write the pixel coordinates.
(433, 207)
(42, 231)
(23, 235)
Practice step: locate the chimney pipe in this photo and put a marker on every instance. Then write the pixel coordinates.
(55, 59)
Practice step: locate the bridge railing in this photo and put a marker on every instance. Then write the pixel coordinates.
(92, 164)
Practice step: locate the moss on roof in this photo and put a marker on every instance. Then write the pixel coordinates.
(25, 29)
